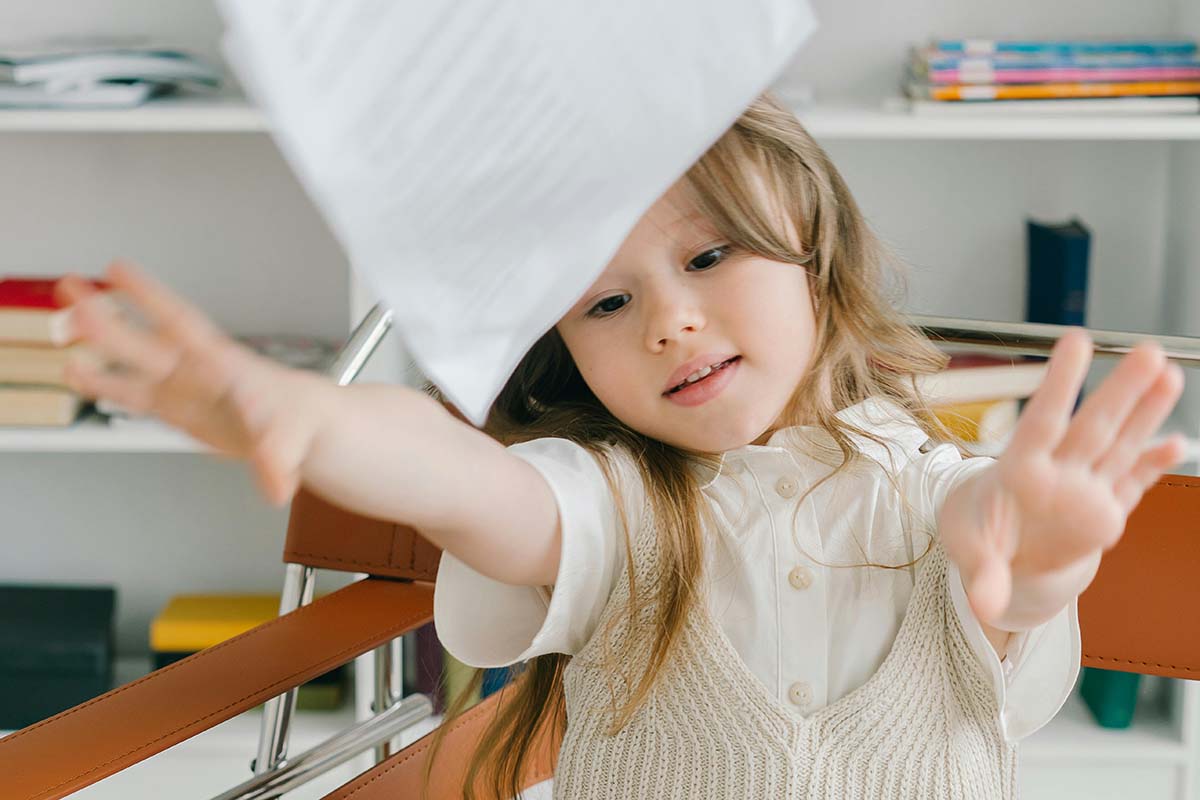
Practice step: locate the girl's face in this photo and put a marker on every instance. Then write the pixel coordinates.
(674, 301)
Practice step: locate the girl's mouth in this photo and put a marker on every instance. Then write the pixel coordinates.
(707, 387)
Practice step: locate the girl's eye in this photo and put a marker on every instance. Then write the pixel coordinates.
(709, 258)
(608, 305)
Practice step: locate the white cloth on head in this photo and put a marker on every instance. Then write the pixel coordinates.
(806, 628)
(480, 162)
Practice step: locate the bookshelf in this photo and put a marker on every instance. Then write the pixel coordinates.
(885, 120)
(192, 188)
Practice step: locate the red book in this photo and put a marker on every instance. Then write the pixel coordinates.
(29, 313)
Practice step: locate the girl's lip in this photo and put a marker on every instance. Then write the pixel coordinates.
(706, 388)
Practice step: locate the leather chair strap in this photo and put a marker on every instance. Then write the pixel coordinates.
(402, 774)
(82, 745)
(1139, 613)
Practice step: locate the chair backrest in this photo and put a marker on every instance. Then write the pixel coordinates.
(321, 534)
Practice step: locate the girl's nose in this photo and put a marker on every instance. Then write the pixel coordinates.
(671, 316)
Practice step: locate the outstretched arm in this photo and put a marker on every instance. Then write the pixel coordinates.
(1028, 532)
(388, 452)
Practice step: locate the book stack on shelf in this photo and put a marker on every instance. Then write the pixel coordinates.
(968, 76)
(35, 344)
(977, 397)
(97, 73)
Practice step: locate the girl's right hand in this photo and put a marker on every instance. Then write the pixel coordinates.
(188, 373)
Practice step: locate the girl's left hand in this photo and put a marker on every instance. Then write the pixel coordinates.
(1061, 492)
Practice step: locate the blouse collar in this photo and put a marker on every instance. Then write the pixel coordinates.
(881, 416)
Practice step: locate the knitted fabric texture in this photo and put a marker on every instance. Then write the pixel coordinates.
(925, 725)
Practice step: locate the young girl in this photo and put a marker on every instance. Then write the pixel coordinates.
(713, 515)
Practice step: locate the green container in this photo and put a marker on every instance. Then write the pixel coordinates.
(1111, 695)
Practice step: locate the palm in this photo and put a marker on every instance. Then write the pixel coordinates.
(1064, 487)
(192, 376)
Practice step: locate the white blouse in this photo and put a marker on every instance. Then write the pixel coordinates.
(781, 582)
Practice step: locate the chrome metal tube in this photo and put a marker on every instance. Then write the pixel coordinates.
(1037, 339)
(333, 752)
(361, 344)
(299, 580)
(298, 585)
(388, 690)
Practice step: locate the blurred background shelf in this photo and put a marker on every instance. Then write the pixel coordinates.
(848, 121)
(182, 114)
(93, 434)
(851, 122)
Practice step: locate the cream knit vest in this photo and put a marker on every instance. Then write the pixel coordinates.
(925, 725)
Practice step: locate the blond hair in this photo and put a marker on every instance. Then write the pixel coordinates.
(806, 216)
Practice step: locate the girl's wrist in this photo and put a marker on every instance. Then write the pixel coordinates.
(1039, 597)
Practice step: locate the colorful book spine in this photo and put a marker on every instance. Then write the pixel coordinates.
(1064, 74)
(1036, 91)
(934, 59)
(989, 46)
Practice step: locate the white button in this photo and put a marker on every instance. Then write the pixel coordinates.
(787, 486)
(800, 694)
(800, 577)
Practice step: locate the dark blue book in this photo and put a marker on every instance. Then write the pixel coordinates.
(1056, 291)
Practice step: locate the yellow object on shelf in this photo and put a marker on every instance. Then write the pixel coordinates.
(192, 622)
(986, 421)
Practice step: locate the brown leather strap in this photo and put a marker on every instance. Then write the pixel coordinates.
(1140, 612)
(80, 746)
(321, 534)
(403, 774)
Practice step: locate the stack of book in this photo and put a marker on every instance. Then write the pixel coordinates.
(978, 396)
(97, 74)
(35, 344)
(1075, 77)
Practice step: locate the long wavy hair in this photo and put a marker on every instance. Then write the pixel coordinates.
(864, 348)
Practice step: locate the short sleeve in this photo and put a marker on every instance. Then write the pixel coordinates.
(486, 623)
(1039, 670)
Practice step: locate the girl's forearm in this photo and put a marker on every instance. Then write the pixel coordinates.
(394, 453)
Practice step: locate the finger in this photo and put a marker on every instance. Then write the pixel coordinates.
(1148, 469)
(129, 391)
(166, 310)
(1146, 417)
(1047, 414)
(1104, 412)
(72, 288)
(114, 339)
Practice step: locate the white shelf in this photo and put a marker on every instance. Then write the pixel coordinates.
(230, 114)
(93, 434)
(181, 114)
(1073, 735)
(867, 123)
